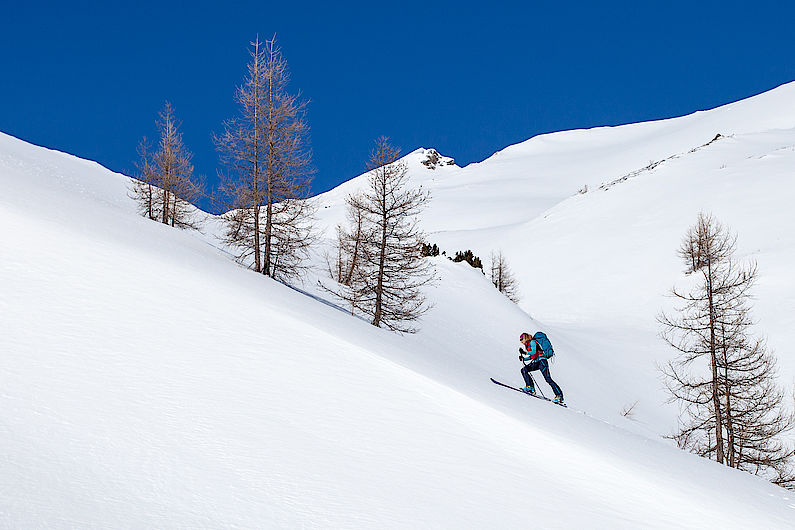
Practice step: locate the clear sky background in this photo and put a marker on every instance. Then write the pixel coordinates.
(468, 78)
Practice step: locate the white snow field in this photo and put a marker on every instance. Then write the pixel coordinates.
(149, 381)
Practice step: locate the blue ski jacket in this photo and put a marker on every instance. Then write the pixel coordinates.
(534, 353)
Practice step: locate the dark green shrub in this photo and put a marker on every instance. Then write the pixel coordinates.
(470, 258)
(429, 250)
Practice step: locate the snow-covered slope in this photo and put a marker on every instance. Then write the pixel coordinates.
(148, 381)
(594, 267)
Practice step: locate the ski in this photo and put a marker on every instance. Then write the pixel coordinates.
(526, 393)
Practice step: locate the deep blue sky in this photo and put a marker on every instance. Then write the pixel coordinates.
(465, 78)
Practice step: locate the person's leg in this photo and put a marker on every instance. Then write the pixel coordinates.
(528, 380)
(543, 365)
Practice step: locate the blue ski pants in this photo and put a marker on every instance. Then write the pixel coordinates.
(543, 366)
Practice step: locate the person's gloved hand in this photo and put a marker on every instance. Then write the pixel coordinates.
(522, 353)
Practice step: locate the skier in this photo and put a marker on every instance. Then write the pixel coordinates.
(538, 361)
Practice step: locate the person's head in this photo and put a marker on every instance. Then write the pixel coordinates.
(525, 338)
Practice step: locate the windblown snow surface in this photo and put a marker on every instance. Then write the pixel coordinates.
(149, 381)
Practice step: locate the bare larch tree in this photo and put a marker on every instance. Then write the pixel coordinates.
(166, 187)
(265, 187)
(379, 263)
(723, 377)
(347, 268)
(502, 277)
(350, 244)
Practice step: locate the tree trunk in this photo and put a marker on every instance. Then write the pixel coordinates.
(729, 425)
(149, 199)
(719, 455)
(266, 269)
(257, 262)
(379, 289)
(166, 203)
(269, 176)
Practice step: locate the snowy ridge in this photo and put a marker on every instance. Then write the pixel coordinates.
(149, 381)
(520, 182)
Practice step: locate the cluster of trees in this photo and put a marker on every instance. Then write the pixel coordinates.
(267, 171)
(723, 376)
(499, 271)
(469, 257)
(166, 187)
(265, 184)
(427, 250)
(264, 188)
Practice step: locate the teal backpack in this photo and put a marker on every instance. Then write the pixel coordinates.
(542, 340)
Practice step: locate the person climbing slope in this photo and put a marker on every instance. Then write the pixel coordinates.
(539, 350)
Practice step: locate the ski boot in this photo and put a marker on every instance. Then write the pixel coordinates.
(559, 400)
(530, 390)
